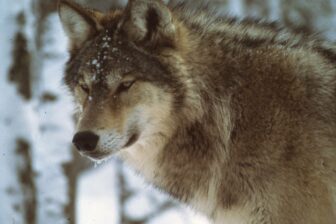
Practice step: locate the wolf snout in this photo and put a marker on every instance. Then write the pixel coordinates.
(85, 140)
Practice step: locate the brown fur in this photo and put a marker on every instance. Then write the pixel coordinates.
(235, 118)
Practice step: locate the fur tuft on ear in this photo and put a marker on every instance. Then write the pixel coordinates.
(78, 23)
(149, 22)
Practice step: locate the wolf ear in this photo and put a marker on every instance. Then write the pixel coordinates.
(149, 22)
(78, 23)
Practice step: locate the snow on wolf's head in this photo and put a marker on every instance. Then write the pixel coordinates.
(126, 73)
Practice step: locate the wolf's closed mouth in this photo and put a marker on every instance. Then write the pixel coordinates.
(96, 155)
(132, 140)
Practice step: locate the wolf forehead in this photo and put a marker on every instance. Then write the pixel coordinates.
(107, 55)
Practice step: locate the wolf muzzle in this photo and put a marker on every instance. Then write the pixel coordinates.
(85, 141)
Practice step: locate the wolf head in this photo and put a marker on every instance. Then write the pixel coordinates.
(128, 76)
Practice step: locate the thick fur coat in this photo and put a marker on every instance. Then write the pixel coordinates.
(235, 118)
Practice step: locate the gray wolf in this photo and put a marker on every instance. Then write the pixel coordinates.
(236, 119)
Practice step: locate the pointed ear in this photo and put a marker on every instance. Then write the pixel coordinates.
(78, 23)
(149, 22)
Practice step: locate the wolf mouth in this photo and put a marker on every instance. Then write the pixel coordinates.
(131, 140)
(98, 155)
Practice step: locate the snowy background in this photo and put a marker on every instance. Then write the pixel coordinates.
(43, 180)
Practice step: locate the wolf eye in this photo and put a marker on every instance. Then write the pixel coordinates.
(124, 86)
(85, 89)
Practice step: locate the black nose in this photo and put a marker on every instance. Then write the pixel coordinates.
(85, 140)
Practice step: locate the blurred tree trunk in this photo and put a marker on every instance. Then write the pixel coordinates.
(18, 202)
(38, 175)
(55, 163)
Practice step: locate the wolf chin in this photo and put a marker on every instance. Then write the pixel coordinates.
(237, 119)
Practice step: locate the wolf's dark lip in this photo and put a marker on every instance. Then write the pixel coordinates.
(131, 140)
(96, 155)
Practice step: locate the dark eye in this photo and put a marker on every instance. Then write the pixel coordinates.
(124, 86)
(85, 88)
